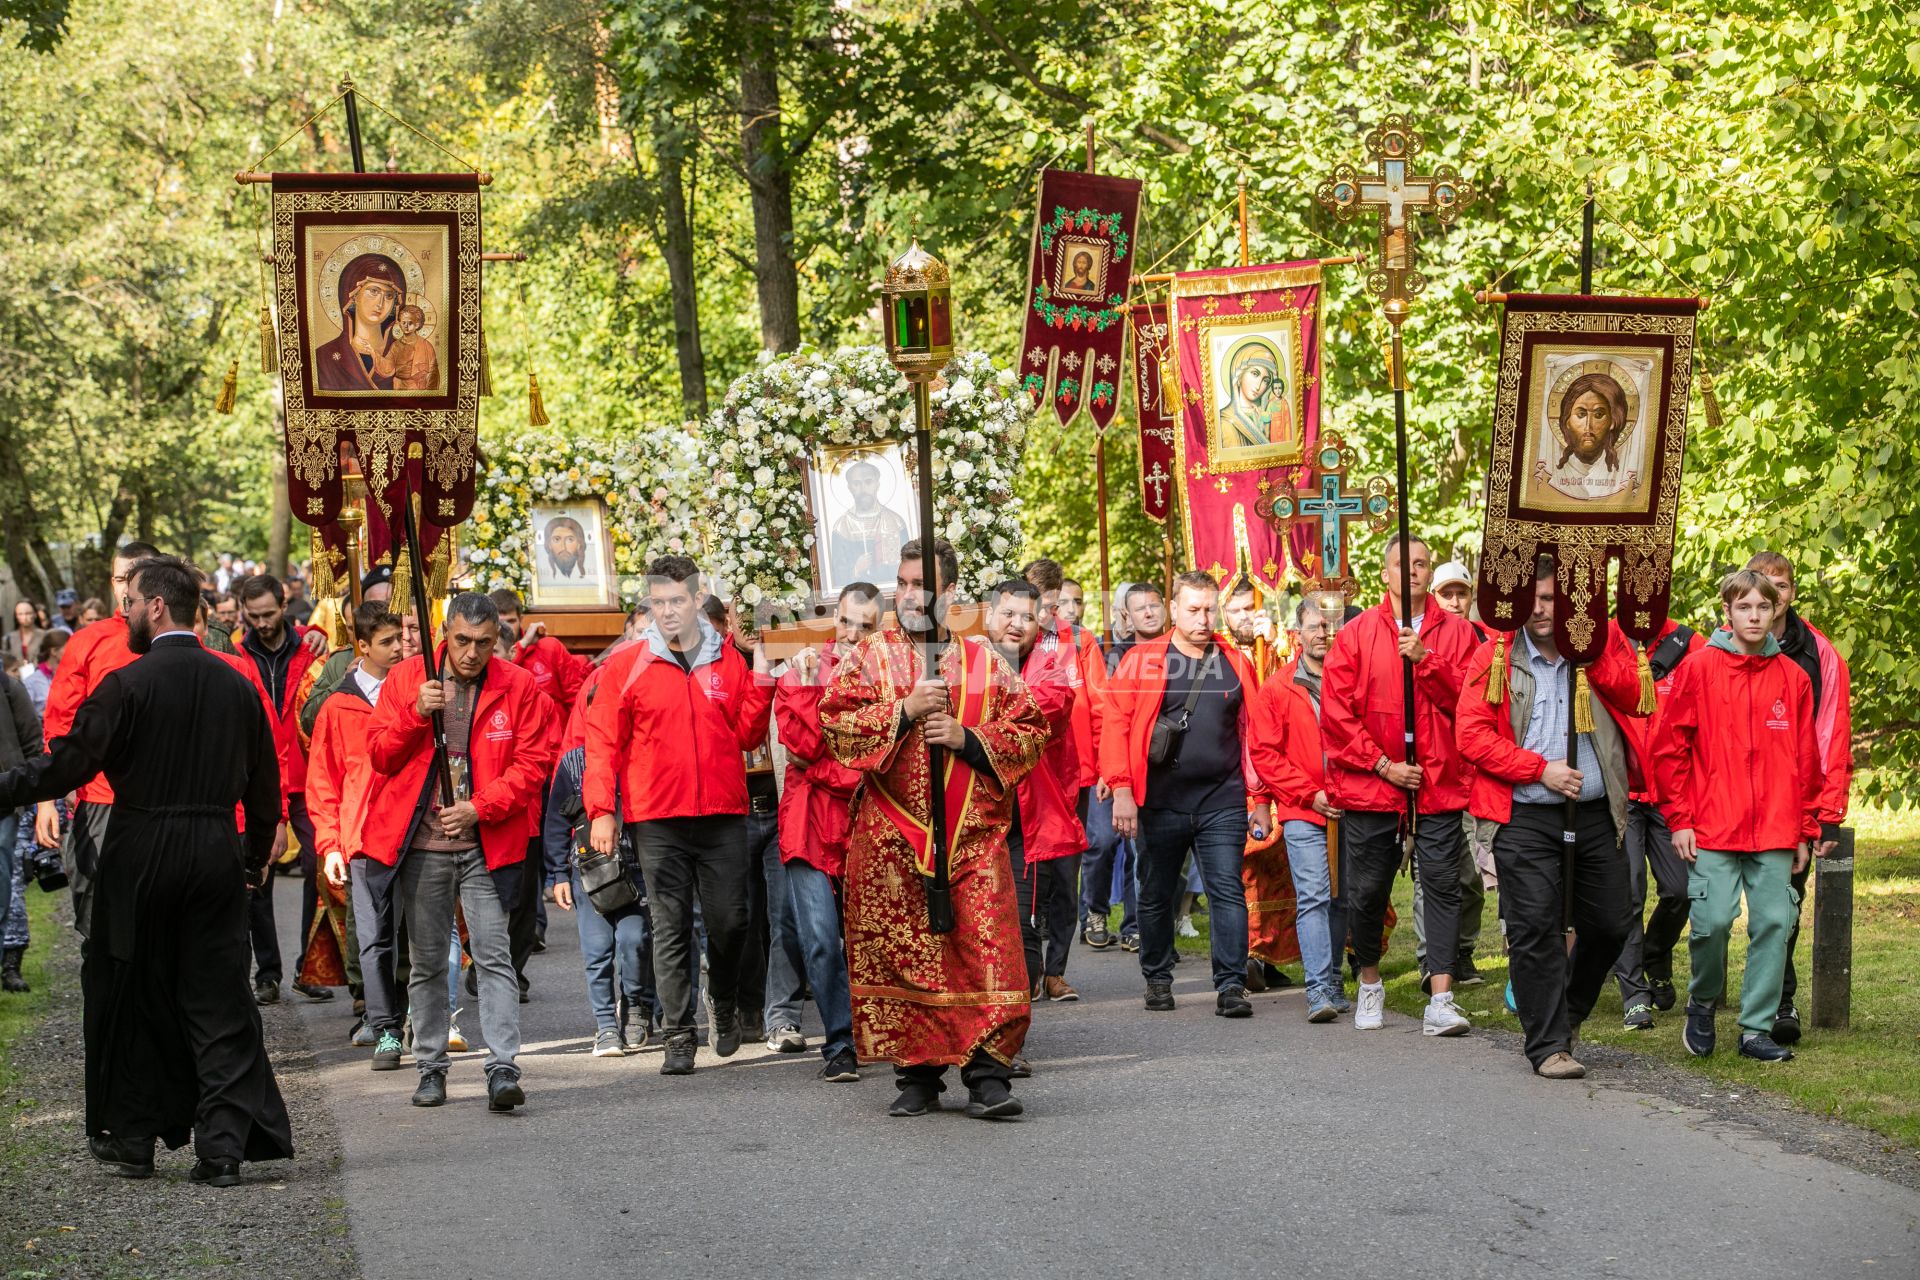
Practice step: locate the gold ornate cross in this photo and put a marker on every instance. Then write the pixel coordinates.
(1395, 193)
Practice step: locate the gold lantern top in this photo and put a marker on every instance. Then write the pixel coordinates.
(917, 309)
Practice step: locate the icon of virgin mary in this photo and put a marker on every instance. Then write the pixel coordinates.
(361, 356)
(1256, 411)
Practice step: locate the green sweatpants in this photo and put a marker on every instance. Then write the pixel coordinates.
(1714, 883)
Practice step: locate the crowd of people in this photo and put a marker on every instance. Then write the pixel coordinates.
(912, 836)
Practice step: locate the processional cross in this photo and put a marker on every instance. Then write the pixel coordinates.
(1332, 507)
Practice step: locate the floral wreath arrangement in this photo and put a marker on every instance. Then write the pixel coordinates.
(646, 482)
(759, 443)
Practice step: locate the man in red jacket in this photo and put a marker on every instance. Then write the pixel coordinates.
(1046, 838)
(558, 672)
(816, 820)
(1196, 689)
(90, 656)
(664, 743)
(461, 835)
(1362, 711)
(1814, 654)
(1739, 772)
(276, 647)
(1513, 730)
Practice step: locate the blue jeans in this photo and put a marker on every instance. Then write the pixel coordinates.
(1315, 911)
(1106, 859)
(779, 975)
(605, 942)
(1218, 839)
(816, 920)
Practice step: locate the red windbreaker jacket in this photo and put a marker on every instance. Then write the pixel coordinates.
(671, 740)
(558, 672)
(1049, 820)
(509, 760)
(1735, 754)
(816, 805)
(1289, 755)
(1362, 710)
(90, 655)
(340, 775)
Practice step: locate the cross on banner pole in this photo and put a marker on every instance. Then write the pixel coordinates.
(1394, 192)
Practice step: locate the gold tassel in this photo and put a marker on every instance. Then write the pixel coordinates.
(1497, 673)
(440, 566)
(229, 389)
(486, 369)
(1648, 695)
(536, 408)
(1712, 402)
(1582, 702)
(269, 342)
(403, 580)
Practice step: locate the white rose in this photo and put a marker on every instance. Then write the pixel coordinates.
(750, 594)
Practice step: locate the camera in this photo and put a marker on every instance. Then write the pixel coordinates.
(47, 870)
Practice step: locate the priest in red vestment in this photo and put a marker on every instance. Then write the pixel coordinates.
(925, 1001)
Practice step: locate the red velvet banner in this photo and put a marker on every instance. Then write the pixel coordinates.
(1157, 408)
(1248, 342)
(1589, 436)
(1083, 250)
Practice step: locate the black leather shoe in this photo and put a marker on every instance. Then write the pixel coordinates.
(1159, 997)
(1278, 979)
(679, 1059)
(312, 992)
(1662, 993)
(1233, 1003)
(1021, 1068)
(504, 1092)
(1786, 1025)
(915, 1099)
(432, 1090)
(1764, 1049)
(266, 993)
(992, 1100)
(124, 1157)
(216, 1173)
(726, 1032)
(1698, 1036)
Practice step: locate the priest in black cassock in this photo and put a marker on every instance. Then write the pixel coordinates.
(172, 1033)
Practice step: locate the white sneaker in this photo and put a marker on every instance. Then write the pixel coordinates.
(1372, 1004)
(1183, 927)
(1443, 1018)
(606, 1044)
(786, 1040)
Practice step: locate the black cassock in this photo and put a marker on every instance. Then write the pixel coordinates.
(172, 1033)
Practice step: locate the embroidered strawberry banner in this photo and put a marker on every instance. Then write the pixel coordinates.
(1075, 334)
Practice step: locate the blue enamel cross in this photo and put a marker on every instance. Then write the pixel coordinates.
(1334, 509)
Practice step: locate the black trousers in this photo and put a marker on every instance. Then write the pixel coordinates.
(521, 897)
(1647, 955)
(1555, 991)
(681, 857)
(1369, 857)
(763, 829)
(260, 925)
(977, 1069)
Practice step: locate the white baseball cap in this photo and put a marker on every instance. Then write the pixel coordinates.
(1451, 571)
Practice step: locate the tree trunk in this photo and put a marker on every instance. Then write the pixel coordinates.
(676, 246)
(769, 178)
(280, 521)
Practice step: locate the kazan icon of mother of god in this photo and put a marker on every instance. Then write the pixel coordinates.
(1256, 410)
(361, 356)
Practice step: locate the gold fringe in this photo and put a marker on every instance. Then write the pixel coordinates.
(1649, 696)
(1582, 702)
(440, 566)
(1497, 673)
(486, 369)
(402, 581)
(229, 389)
(1712, 402)
(269, 342)
(536, 407)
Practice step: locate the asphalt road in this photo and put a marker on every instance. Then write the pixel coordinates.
(1153, 1144)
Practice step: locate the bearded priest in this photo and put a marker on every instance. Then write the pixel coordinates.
(926, 1001)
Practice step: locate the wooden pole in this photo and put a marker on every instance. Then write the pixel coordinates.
(1100, 479)
(1245, 260)
(1833, 936)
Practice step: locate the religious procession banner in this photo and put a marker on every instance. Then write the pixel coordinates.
(1075, 337)
(1589, 433)
(1248, 349)
(1156, 406)
(377, 296)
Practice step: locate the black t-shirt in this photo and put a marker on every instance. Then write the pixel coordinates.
(1204, 774)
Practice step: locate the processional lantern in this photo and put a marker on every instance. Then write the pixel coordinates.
(918, 315)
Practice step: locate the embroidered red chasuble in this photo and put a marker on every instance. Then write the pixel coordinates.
(920, 997)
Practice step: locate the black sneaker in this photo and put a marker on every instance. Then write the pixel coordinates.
(1233, 1003)
(124, 1157)
(266, 992)
(432, 1091)
(752, 1029)
(1159, 997)
(842, 1067)
(1466, 974)
(1096, 934)
(1638, 1018)
(1662, 993)
(992, 1100)
(504, 1092)
(1129, 942)
(1786, 1026)
(215, 1173)
(386, 1052)
(1698, 1035)
(1256, 976)
(726, 1032)
(915, 1099)
(312, 992)
(679, 1059)
(1764, 1049)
